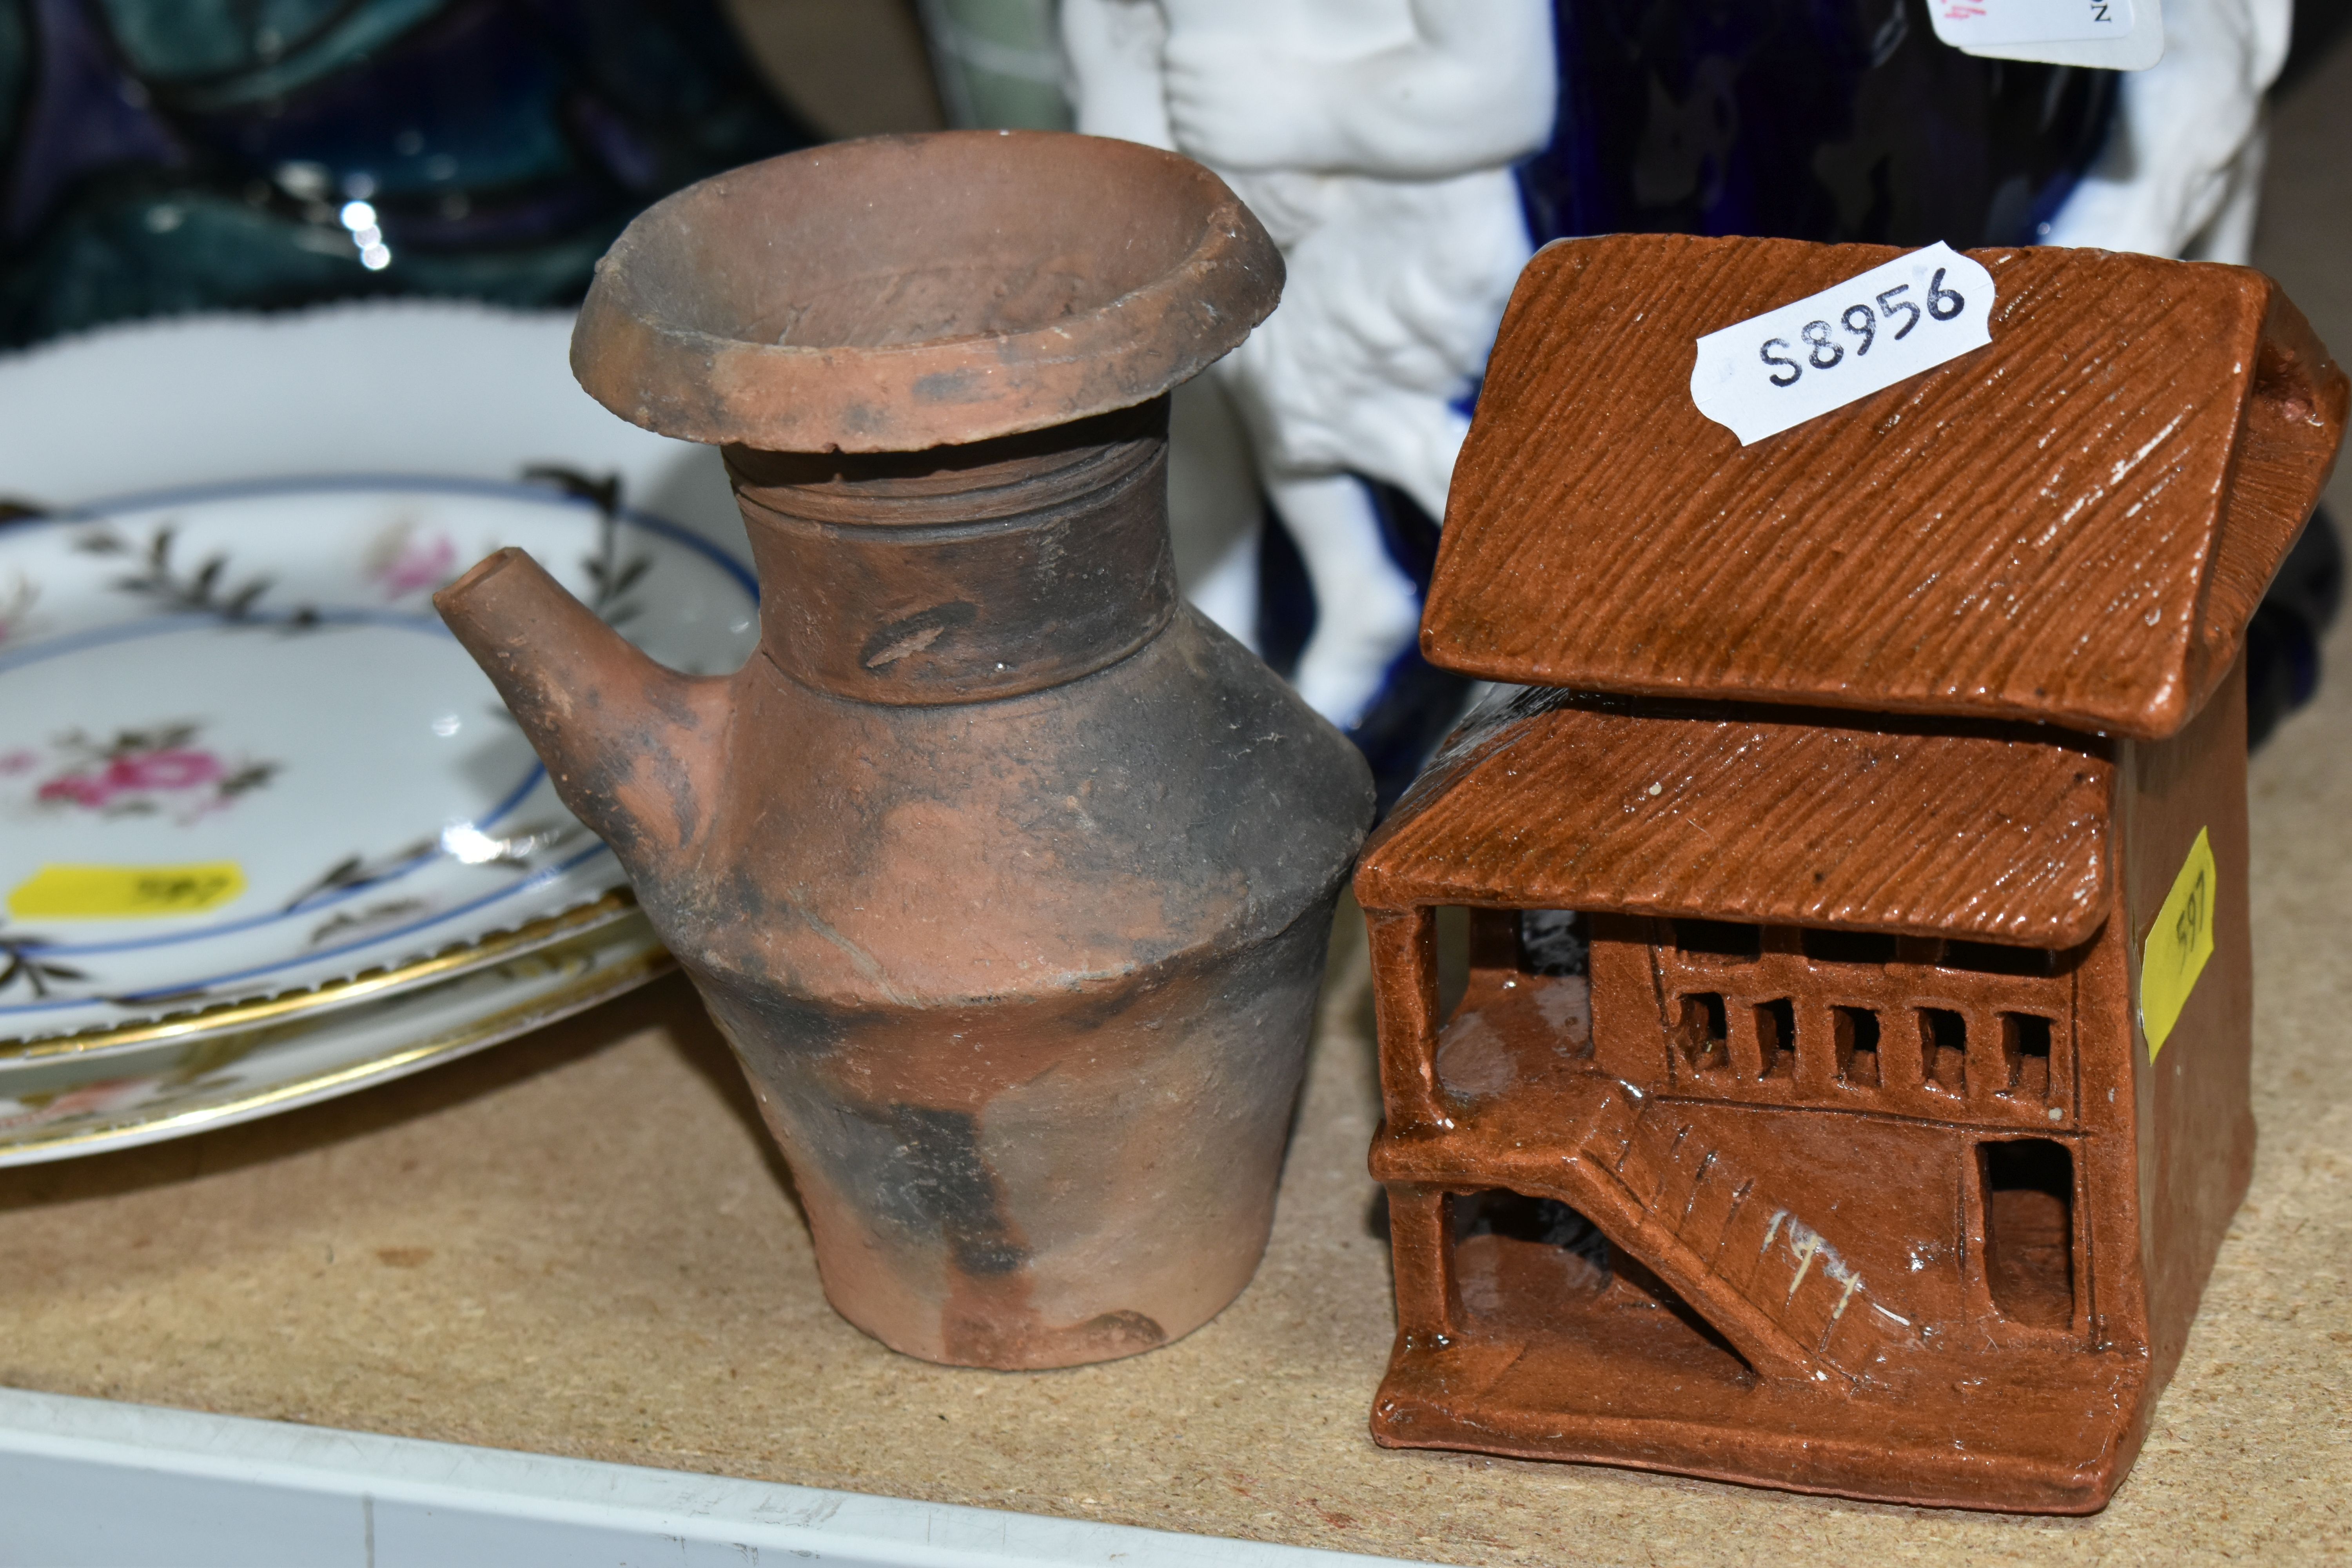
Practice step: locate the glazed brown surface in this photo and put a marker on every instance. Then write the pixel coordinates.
(1936, 1202)
(2194, 1124)
(1813, 1277)
(1754, 813)
(2122, 466)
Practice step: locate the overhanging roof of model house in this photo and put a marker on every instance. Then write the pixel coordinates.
(1778, 819)
(2071, 525)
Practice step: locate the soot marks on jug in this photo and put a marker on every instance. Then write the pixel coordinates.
(674, 780)
(921, 1178)
(1096, 1008)
(675, 702)
(713, 919)
(738, 898)
(943, 1181)
(762, 1022)
(591, 779)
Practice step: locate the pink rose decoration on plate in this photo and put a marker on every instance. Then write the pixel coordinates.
(401, 562)
(144, 771)
(165, 770)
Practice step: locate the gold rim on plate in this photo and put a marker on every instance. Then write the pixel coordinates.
(229, 1017)
(599, 985)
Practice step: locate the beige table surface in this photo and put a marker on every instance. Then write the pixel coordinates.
(579, 1244)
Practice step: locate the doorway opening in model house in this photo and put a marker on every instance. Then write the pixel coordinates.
(2027, 1187)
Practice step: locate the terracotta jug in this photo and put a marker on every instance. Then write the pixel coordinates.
(1007, 875)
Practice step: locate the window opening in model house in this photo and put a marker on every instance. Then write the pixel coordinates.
(2028, 1185)
(1553, 943)
(1453, 937)
(1776, 1038)
(1513, 993)
(1703, 1032)
(2025, 1051)
(1752, 1011)
(1857, 1046)
(1944, 1045)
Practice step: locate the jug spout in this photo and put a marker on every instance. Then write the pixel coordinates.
(634, 748)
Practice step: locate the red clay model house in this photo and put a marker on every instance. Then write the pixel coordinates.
(1894, 769)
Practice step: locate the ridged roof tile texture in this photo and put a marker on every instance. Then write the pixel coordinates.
(2072, 524)
(1748, 814)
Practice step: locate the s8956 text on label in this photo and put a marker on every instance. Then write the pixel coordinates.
(1796, 362)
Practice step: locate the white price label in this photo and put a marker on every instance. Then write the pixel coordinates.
(1996, 23)
(2112, 35)
(1786, 366)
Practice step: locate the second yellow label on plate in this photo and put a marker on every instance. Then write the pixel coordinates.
(125, 893)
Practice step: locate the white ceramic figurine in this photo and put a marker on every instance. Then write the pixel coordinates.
(1375, 139)
(2183, 165)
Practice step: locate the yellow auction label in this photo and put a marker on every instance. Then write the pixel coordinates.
(125, 893)
(2178, 946)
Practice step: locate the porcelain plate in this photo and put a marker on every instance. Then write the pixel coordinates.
(240, 757)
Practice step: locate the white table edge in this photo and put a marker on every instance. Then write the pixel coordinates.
(95, 1482)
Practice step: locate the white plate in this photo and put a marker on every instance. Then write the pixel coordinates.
(55, 1108)
(236, 705)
